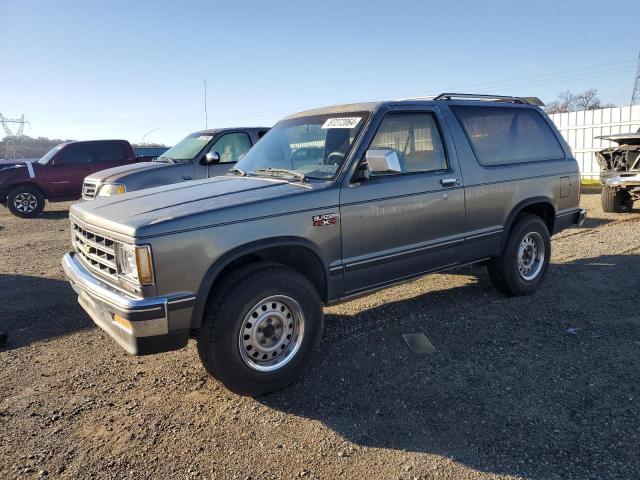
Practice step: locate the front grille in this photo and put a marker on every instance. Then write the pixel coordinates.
(97, 252)
(89, 190)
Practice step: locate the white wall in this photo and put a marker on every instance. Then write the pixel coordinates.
(580, 128)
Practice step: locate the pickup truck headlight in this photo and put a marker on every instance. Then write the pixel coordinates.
(134, 263)
(111, 189)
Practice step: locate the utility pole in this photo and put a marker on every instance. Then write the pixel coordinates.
(635, 98)
(12, 136)
(206, 126)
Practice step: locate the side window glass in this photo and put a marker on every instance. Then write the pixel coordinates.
(506, 135)
(108, 152)
(416, 140)
(74, 154)
(231, 147)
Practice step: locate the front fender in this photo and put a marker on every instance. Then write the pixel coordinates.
(244, 250)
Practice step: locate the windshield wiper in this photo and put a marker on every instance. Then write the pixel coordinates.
(281, 172)
(237, 171)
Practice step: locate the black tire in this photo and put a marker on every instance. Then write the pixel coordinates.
(615, 200)
(504, 270)
(25, 201)
(226, 314)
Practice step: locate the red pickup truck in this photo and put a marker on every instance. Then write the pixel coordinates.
(58, 176)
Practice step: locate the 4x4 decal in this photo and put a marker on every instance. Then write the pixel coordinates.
(326, 219)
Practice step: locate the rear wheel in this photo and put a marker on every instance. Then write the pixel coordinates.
(615, 200)
(25, 201)
(261, 329)
(525, 259)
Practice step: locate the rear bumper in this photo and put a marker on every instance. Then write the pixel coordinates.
(141, 326)
(572, 218)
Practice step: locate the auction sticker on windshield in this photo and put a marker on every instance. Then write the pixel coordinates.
(342, 122)
(205, 138)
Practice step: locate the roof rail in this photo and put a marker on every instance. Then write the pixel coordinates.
(497, 98)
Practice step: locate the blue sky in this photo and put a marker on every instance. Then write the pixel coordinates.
(118, 69)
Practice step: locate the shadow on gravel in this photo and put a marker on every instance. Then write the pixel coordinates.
(593, 222)
(33, 309)
(544, 386)
(54, 215)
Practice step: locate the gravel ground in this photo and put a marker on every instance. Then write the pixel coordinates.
(541, 387)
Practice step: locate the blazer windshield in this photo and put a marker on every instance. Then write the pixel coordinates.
(314, 146)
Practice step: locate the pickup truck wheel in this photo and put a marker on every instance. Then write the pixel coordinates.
(525, 259)
(261, 329)
(615, 200)
(25, 201)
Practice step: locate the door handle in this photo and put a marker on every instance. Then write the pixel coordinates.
(448, 182)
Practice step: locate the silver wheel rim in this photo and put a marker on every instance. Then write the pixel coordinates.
(531, 255)
(25, 202)
(271, 333)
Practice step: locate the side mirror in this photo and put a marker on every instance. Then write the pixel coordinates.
(383, 161)
(211, 158)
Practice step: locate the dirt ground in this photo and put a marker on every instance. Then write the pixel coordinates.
(541, 387)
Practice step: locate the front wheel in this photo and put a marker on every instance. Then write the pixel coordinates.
(261, 329)
(25, 201)
(525, 259)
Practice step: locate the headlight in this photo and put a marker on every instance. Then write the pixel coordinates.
(134, 263)
(111, 189)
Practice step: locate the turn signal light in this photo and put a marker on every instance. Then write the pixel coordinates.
(123, 322)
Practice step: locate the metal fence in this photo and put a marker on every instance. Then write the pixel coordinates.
(580, 129)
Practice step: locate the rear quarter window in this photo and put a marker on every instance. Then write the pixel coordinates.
(505, 135)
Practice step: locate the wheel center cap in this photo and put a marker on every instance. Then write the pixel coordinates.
(268, 331)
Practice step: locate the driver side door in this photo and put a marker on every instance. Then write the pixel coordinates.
(67, 171)
(400, 224)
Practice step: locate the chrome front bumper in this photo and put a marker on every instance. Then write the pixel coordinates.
(623, 181)
(140, 325)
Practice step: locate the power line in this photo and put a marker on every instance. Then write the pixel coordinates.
(559, 73)
(578, 73)
(566, 79)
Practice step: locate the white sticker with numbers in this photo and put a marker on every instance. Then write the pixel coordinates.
(342, 122)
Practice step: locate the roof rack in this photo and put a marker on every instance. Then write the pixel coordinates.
(496, 98)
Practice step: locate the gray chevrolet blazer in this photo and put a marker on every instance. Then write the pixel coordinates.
(330, 204)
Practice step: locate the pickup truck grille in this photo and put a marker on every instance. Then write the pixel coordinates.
(89, 190)
(97, 252)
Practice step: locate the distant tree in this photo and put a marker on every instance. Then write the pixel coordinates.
(587, 100)
(568, 102)
(28, 147)
(162, 145)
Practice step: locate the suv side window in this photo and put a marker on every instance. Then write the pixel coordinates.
(74, 154)
(108, 152)
(231, 146)
(507, 135)
(415, 138)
